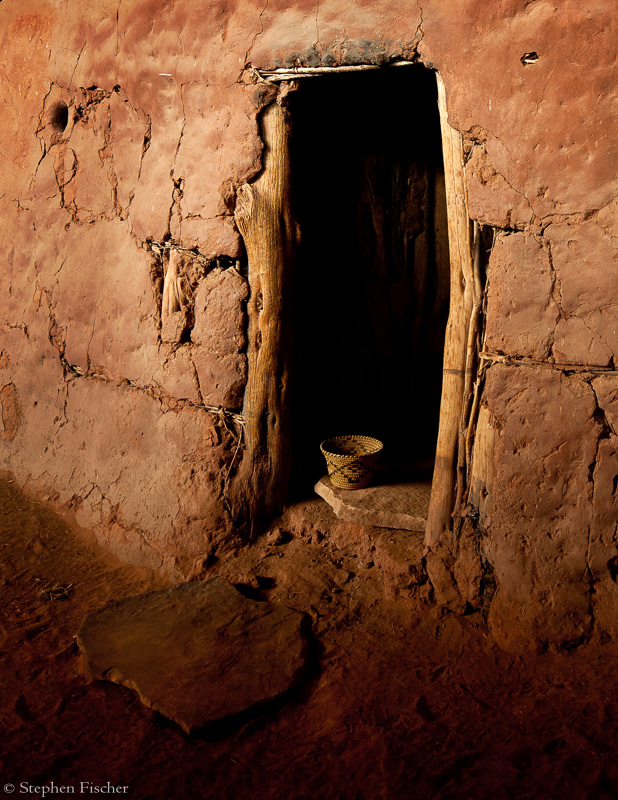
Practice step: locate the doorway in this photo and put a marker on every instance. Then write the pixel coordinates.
(267, 220)
(370, 297)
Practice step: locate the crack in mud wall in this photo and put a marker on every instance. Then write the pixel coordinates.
(89, 285)
(127, 131)
(541, 487)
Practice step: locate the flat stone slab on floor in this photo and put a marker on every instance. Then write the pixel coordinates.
(197, 653)
(401, 504)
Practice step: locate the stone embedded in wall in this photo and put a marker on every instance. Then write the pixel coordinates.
(585, 260)
(213, 237)
(538, 533)
(219, 337)
(222, 379)
(10, 411)
(492, 200)
(219, 313)
(521, 312)
(176, 376)
(175, 327)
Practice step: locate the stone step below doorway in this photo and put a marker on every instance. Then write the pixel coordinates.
(396, 499)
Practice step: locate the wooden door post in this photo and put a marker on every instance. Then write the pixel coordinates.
(263, 215)
(455, 345)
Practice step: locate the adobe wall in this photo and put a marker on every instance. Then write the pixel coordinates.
(105, 409)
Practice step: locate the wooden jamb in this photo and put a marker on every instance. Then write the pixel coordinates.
(263, 216)
(456, 352)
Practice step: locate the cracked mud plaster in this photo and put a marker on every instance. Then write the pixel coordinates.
(551, 296)
(585, 260)
(127, 479)
(160, 153)
(546, 127)
(204, 333)
(603, 536)
(492, 199)
(311, 33)
(96, 159)
(551, 529)
(10, 410)
(521, 310)
(91, 346)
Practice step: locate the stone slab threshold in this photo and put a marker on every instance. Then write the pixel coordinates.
(198, 653)
(391, 502)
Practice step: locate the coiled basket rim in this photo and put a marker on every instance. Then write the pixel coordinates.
(332, 447)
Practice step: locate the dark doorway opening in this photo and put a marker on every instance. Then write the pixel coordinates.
(371, 285)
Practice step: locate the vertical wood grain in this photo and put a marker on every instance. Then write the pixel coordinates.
(461, 301)
(263, 216)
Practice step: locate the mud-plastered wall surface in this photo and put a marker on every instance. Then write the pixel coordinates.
(127, 128)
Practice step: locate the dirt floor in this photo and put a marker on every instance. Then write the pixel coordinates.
(402, 701)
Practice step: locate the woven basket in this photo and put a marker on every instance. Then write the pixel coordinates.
(351, 460)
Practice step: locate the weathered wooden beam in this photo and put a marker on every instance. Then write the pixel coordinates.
(263, 216)
(455, 348)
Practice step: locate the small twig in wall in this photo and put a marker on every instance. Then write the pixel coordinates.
(54, 591)
(168, 247)
(472, 348)
(478, 311)
(75, 370)
(232, 462)
(174, 297)
(225, 414)
(529, 58)
(225, 417)
(512, 361)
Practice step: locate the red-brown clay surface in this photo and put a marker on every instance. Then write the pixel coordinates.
(130, 125)
(405, 701)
